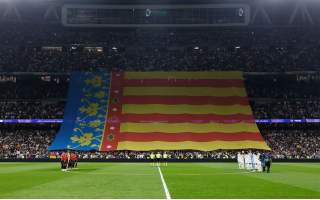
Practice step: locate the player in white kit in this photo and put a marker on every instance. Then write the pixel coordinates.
(247, 160)
(258, 162)
(240, 158)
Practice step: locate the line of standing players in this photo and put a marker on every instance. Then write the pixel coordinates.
(159, 158)
(254, 161)
(69, 160)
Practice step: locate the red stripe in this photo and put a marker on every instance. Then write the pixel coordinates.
(193, 100)
(179, 118)
(185, 82)
(111, 128)
(197, 137)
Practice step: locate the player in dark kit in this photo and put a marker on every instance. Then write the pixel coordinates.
(64, 161)
(73, 160)
(267, 162)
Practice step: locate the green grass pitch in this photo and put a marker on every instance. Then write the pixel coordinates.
(141, 180)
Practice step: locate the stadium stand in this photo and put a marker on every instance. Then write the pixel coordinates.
(31, 110)
(275, 92)
(52, 50)
(304, 141)
(293, 141)
(159, 99)
(32, 141)
(26, 142)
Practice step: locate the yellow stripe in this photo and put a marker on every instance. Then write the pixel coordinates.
(188, 127)
(184, 75)
(202, 146)
(185, 109)
(184, 91)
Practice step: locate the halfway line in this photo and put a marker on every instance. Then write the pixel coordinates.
(166, 190)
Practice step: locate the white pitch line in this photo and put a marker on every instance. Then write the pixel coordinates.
(166, 190)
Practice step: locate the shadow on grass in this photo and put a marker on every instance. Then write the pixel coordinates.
(58, 169)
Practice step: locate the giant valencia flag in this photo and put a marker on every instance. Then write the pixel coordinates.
(179, 110)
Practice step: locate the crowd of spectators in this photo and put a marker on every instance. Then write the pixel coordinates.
(294, 109)
(277, 86)
(286, 143)
(194, 58)
(283, 86)
(137, 49)
(30, 143)
(286, 109)
(31, 110)
(33, 87)
(294, 144)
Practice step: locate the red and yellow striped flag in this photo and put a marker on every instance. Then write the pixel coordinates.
(179, 110)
